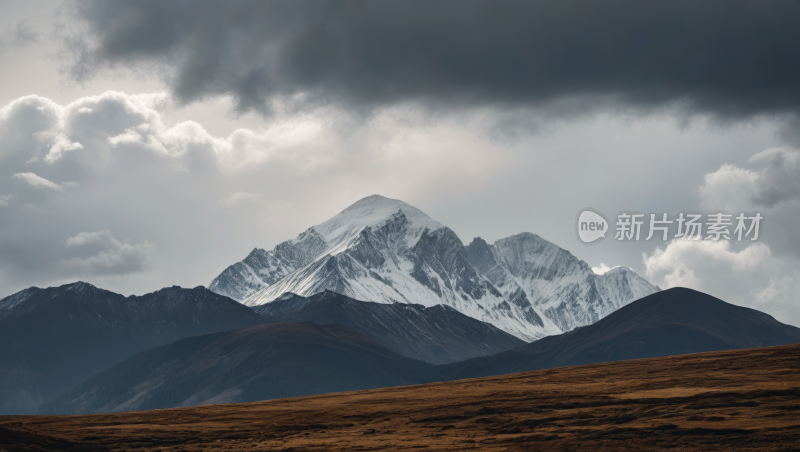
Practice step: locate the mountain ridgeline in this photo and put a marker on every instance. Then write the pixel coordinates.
(386, 251)
(436, 335)
(304, 358)
(676, 321)
(52, 339)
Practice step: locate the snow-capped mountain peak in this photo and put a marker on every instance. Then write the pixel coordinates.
(386, 251)
(372, 212)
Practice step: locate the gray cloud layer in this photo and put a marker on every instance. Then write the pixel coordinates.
(99, 253)
(732, 59)
(133, 192)
(104, 189)
(22, 34)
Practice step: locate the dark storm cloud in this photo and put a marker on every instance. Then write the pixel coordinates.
(729, 58)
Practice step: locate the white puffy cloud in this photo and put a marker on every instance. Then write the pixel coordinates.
(775, 178)
(5, 199)
(100, 254)
(730, 188)
(751, 276)
(113, 162)
(37, 181)
(60, 145)
(601, 269)
(770, 185)
(28, 126)
(115, 121)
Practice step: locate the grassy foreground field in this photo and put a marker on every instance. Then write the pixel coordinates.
(735, 400)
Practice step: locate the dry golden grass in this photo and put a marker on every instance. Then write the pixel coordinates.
(735, 400)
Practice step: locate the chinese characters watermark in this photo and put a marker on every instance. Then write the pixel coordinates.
(592, 226)
(690, 227)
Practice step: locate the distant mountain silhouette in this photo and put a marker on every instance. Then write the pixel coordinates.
(52, 339)
(258, 363)
(671, 322)
(437, 335)
(303, 358)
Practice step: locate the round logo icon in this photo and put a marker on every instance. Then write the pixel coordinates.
(591, 226)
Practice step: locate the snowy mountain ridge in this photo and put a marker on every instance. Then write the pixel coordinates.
(343, 229)
(386, 251)
(528, 269)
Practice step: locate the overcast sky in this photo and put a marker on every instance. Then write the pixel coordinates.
(146, 144)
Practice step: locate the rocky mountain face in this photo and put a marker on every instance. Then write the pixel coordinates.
(436, 335)
(258, 363)
(676, 321)
(52, 339)
(386, 251)
(263, 268)
(530, 271)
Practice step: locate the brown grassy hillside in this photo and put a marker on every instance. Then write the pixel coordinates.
(734, 400)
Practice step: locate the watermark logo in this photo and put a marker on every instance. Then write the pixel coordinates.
(592, 226)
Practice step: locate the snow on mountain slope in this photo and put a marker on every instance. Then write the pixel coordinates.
(527, 268)
(386, 251)
(10, 302)
(262, 268)
(620, 285)
(373, 212)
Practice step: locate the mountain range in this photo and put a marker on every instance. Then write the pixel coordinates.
(386, 251)
(304, 358)
(379, 295)
(675, 321)
(52, 339)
